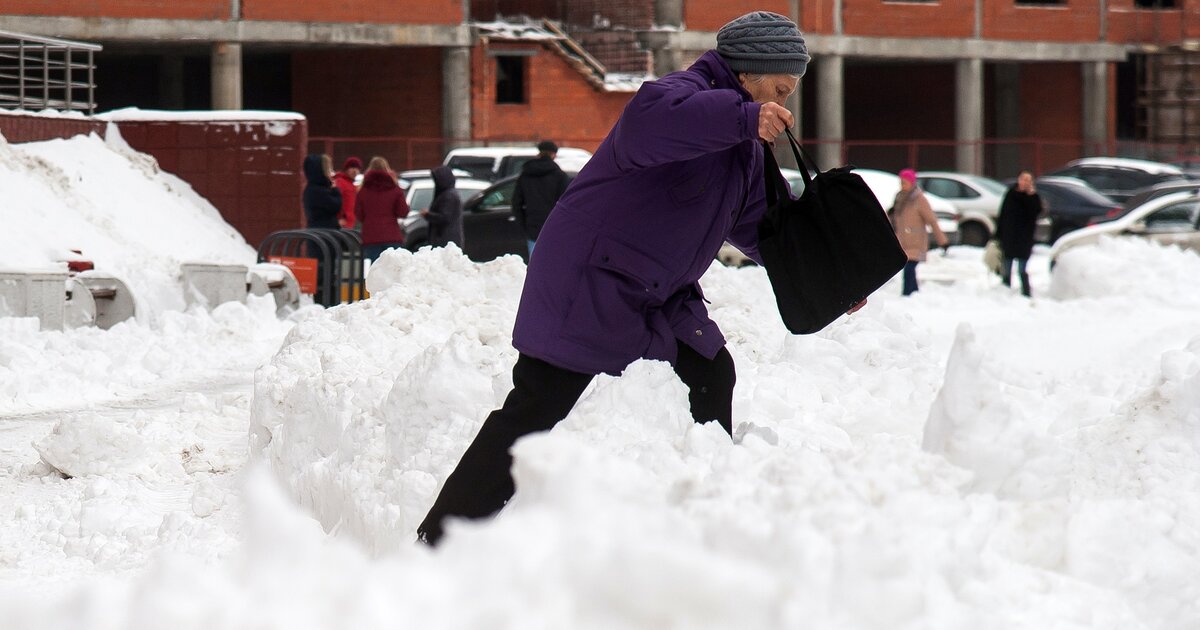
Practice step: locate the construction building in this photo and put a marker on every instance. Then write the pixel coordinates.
(972, 85)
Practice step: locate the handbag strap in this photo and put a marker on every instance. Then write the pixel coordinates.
(803, 159)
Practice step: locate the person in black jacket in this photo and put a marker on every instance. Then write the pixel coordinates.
(538, 188)
(444, 213)
(1014, 228)
(322, 200)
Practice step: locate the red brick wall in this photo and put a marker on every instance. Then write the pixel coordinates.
(20, 128)
(1052, 110)
(561, 104)
(371, 11)
(878, 18)
(253, 177)
(1075, 20)
(176, 9)
(393, 92)
(706, 15)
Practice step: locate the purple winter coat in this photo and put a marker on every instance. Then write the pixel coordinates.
(615, 274)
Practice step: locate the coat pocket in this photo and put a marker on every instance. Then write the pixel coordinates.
(618, 286)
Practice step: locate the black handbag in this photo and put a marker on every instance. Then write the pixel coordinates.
(828, 250)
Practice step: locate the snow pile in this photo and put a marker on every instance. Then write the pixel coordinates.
(66, 369)
(115, 206)
(825, 511)
(1116, 267)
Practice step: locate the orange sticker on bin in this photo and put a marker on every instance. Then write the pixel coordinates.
(305, 270)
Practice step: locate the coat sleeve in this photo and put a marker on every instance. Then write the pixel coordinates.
(675, 119)
(400, 206)
(332, 204)
(930, 219)
(437, 210)
(1005, 209)
(744, 235)
(358, 208)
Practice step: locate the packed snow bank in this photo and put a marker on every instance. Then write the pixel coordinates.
(49, 370)
(1117, 267)
(115, 206)
(825, 511)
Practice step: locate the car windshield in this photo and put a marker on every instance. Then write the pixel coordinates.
(990, 185)
(478, 167)
(1080, 192)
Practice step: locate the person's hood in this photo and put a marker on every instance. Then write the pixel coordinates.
(379, 180)
(443, 179)
(313, 171)
(712, 66)
(540, 167)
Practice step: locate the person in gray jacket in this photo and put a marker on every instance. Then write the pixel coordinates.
(445, 211)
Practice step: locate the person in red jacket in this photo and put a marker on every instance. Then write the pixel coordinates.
(344, 179)
(380, 207)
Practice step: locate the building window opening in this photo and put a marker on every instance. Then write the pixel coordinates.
(510, 79)
(1042, 3)
(1154, 4)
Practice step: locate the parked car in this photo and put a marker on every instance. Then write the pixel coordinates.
(885, 185)
(496, 163)
(1118, 178)
(489, 227)
(1070, 204)
(1172, 219)
(975, 197)
(1146, 194)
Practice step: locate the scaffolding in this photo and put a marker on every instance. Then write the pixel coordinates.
(47, 73)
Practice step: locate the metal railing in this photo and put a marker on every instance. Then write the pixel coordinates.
(47, 73)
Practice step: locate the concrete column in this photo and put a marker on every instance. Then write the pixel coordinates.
(1007, 112)
(226, 75)
(668, 56)
(170, 81)
(831, 121)
(668, 12)
(1095, 106)
(456, 94)
(968, 114)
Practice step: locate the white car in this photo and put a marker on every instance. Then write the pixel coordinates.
(496, 163)
(976, 198)
(1172, 219)
(419, 192)
(885, 185)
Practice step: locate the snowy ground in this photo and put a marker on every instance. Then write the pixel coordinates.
(962, 458)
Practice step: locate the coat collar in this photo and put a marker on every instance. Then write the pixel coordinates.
(717, 74)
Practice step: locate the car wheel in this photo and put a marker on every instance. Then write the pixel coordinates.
(973, 233)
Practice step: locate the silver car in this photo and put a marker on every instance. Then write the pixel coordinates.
(1172, 219)
(977, 199)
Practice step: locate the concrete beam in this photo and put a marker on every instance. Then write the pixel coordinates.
(935, 49)
(1095, 106)
(241, 31)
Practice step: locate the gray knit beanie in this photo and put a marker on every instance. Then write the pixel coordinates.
(763, 43)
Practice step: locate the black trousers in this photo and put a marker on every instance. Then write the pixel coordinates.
(542, 395)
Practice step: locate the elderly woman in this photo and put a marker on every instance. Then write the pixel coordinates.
(911, 214)
(616, 277)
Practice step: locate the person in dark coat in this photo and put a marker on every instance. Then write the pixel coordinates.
(444, 213)
(322, 201)
(380, 207)
(1015, 226)
(538, 188)
(616, 277)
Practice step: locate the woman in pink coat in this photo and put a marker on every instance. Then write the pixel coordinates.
(911, 214)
